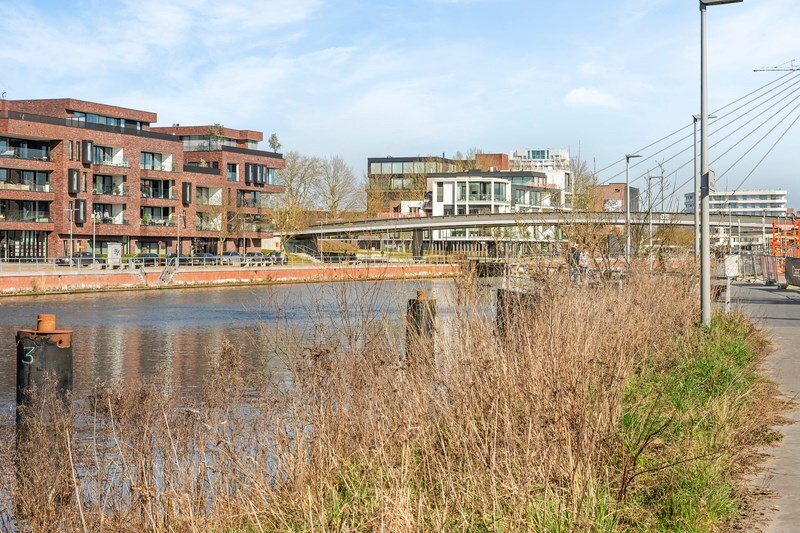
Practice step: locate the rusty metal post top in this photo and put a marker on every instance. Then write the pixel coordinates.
(46, 323)
(422, 295)
(46, 326)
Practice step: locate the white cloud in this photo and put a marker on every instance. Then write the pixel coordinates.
(583, 97)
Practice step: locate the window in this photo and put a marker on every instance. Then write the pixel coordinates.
(151, 161)
(461, 189)
(102, 155)
(232, 172)
(71, 147)
(500, 192)
(440, 192)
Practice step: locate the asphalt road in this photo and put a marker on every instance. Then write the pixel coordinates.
(779, 311)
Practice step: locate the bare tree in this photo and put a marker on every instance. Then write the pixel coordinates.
(585, 196)
(227, 218)
(291, 209)
(337, 190)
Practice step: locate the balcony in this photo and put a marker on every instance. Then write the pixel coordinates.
(26, 153)
(160, 167)
(125, 163)
(207, 225)
(254, 227)
(35, 187)
(109, 190)
(155, 192)
(150, 221)
(258, 204)
(25, 216)
(112, 221)
(82, 124)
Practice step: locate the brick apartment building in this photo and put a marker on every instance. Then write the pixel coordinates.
(71, 169)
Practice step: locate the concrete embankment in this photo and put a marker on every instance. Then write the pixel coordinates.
(97, 280)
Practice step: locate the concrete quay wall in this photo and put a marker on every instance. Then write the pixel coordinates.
(93, 280)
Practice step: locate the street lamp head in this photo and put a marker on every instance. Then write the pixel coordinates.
(698, 117)
(631, 156)
(719, 2)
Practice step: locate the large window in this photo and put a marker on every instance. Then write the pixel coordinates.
(151, 161)
(233, 175)
(440, 192)
(499, 192)
(461, 191)
(91, 118)
(24, 149)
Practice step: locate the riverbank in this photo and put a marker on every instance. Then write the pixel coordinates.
(601, 408)
(86, 280)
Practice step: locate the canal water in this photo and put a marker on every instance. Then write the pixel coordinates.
(126, 336)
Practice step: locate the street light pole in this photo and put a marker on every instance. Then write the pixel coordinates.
(696, 207)
(705, 186)
(94, 238)
(628, 158)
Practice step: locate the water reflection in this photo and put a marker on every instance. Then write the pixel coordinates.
(175, 334)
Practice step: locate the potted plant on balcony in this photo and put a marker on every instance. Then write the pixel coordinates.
(146, 220)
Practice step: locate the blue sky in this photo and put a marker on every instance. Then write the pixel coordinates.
(375, 78)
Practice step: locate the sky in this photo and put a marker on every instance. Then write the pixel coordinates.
(375, 78)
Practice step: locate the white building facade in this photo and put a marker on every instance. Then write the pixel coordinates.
(553, 162)
(475, 192)
(755, 202)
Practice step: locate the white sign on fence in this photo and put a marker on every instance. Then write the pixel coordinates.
(114, 254)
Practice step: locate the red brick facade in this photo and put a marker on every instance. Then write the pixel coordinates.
(138, 207)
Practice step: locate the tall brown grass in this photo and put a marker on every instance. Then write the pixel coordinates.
(513, 432)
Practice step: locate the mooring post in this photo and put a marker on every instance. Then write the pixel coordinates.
(45, 351)
(511, 306)
(420, 326)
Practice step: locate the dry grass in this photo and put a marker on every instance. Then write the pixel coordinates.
(531, 431)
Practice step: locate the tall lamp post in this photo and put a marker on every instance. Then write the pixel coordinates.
(95, 218)
(705, 222)
(696, 207)
(628, 158)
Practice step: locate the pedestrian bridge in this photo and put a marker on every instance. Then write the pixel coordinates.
(745, 224)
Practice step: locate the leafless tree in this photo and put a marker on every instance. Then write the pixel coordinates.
(299, 176)
(337, 189)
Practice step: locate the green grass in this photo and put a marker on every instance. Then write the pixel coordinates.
(685, 418)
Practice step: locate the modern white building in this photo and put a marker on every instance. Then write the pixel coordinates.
(756, 202)
(553, 162)
(475, 192)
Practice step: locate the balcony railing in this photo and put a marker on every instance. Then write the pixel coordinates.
(112, 162)
(113, 221)
(25, 216)
(36, 187)
(259, 204)
(253, 227)
(147, 221)
(26, 153)
(112, 190)
(480, 197)
(150, 192)
(161, 167)
(207, 225)
(207, 201)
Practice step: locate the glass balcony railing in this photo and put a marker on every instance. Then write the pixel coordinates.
(151, 221)
(479, 197)
(25, 153)
(161, 167)
(25, 186)
(207, 225)
(112, 221)
(111, 162)
(259, 204)
(111, 190)
(25, 216)
(154, 192)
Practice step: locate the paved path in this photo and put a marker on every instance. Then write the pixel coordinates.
(779, 311)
